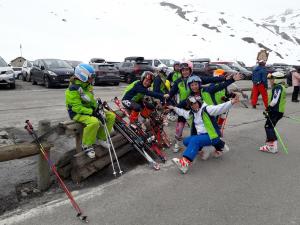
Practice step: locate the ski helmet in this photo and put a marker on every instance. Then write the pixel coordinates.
(84, 71)
(176, 63)
(193, 99)
(147, 75)
(186, 64)
(219, 72)
(193, 79)
(162, 69)
(276, 75)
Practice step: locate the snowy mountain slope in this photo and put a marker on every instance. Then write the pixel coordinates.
(168, 29)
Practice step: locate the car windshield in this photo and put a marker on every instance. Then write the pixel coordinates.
(2, 63)
(56, 63)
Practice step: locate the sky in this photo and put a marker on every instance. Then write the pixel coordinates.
(93, 29)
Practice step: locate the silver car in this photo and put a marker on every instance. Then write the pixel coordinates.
(7, 77)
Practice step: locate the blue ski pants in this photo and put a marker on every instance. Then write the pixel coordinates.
(194, 144)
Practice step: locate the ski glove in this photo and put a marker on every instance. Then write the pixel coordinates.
(98, 115)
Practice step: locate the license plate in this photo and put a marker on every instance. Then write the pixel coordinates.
(67, 80)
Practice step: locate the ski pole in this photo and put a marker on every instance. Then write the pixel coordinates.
(224, 123)
(293, 118)
(113, 148)
(32, 132)
(108, 138)
(277, 134)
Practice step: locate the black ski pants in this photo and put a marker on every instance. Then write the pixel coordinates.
(272, 119)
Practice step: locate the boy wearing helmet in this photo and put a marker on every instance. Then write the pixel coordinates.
(135, 92)
(201, 119)
(181, 88)
(274, 111)
(81, 106)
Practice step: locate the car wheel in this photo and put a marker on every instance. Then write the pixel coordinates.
(28, 77)
(20, 76)
(24, 77)
(12, 86)
(33, 82)
(47, 82)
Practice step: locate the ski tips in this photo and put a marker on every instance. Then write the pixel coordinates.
(83, 218)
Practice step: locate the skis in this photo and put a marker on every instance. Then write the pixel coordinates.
(138, 143)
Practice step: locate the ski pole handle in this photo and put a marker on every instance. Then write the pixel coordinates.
(28, 129)
(29, 124)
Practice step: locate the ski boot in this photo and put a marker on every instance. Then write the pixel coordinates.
(89, 151)
(182, 164)
(270, 147)
(218, 153)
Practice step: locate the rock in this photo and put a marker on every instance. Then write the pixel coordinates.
(3, 134)
(18, 141)
(6, 142)
(36, 190)
(24, 194)
(26, 190)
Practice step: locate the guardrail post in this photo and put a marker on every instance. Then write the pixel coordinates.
(43, 177)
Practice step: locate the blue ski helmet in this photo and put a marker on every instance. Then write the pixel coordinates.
(193, 79)
(84, 71)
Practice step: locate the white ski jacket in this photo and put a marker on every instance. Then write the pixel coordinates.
(213, 110)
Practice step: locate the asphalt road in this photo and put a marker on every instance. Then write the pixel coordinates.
(243, 187)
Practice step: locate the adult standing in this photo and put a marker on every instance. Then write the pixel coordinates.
(296, 84)
(260, 84)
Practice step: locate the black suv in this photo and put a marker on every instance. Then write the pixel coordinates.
(133, 67)
(51, 72)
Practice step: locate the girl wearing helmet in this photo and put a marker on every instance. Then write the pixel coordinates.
(81, 106)
(274, 111)
(204, 129)
(135, 92)
(181, 88)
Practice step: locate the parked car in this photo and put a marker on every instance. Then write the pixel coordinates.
(73, 63)
(26, 70)
(97, 60)
(200, 60)
(207, 69)
(237, 67)
(116, 64)
(169, 63)
(132, 68)
(18, 73)
(154, 62)
(106, 73)
(7, 76)
(51, 72)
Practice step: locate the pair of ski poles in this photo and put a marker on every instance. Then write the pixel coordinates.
(32, 132)
(111, 147)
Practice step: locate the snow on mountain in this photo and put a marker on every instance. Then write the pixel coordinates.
(168, 29)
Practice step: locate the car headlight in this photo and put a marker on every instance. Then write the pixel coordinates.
(52, 73)
(9, 72)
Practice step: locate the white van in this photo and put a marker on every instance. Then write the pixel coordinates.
(7, 76)
(154, 62)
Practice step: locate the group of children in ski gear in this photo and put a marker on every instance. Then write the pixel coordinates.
(202, 107)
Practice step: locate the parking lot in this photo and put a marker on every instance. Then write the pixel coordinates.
(243, 187)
